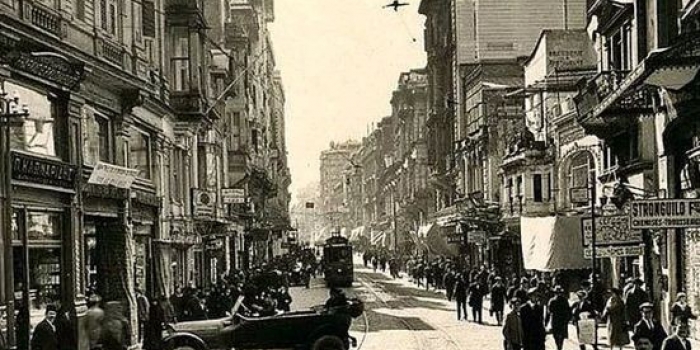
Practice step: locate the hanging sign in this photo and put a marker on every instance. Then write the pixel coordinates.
(665, 213)
(108, 174)
(614, 251)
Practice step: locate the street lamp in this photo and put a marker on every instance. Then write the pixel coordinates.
(11, 114)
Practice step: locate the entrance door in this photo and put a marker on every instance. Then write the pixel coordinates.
(37, 268)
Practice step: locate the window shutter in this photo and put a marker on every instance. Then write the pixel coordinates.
(148, 17)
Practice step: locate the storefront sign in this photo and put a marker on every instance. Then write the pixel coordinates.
(665, 213)
(455, 238)
(113, 175)
(203, 204)
(610, 230)
(42, 171)
(47, 65)
(614, 251)
(108, 192)
(233, 195)
(146, 198)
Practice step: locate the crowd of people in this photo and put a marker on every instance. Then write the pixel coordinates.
(265, 289)
(539, 304)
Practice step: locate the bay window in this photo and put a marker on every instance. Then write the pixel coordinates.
(186, 58)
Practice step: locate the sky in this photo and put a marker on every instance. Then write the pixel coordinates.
(340, 60)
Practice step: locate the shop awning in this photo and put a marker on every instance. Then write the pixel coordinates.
(378, 238)
(552, 243)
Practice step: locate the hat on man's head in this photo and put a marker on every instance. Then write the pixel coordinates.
(646, 305)
(532, 291)
(558, 289)
(51, 307)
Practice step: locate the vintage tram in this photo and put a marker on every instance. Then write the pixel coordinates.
(337, 261)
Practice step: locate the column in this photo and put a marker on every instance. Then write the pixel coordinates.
(74, 255)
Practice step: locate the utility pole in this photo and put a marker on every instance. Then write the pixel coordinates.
(594, 255)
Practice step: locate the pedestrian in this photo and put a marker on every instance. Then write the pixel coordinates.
(169, 315)
(679, 339)
(532, 318)
(476, 300)
(93, 322)
(142, 306)
(44, 336)
(460, 295)
(614, 313)
(648, 327)
(155, 326)
(635, 297)
(115, 327)
(583, 310)
(643, 343)
(513, 327)
(176, 300)
(498, 297)
(65, 329)
(558, 316)
(681, 311)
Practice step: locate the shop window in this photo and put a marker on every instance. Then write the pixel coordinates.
(38, 134)
(140, 152)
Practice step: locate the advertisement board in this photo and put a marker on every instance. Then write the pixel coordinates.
(665, 213)
(610, 230)
(614, 251)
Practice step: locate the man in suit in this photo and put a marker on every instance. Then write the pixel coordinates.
(679, 339)
(648, 327)
(532, 317)
(44, 337)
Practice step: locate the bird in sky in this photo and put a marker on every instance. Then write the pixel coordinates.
(396, 4)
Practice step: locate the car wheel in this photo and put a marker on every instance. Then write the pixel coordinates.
(328, 342)
(182, 346)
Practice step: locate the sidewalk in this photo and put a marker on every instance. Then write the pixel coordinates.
(571, 343)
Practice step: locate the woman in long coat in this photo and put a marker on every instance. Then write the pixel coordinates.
(615, 314)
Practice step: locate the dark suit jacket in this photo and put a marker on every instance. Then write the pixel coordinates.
(44, 337)
(674, 343)
(534, 334)
(657, 335)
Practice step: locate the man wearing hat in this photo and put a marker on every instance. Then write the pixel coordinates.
(635, 297)
(44, 337)
(648, 327)
(559, 314)
(532, 315)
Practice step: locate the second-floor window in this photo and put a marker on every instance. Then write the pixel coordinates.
(181, 62)
(42, 134)
(619, 48)
(140, 152)
(108, 16)
(537, 188)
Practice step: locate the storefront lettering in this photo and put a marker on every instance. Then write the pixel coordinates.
(102, 191)
(47, 65)
(42, 171)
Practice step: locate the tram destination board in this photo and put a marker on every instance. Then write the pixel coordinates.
(665, 213)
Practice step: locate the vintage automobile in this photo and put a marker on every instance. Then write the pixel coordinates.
(316, 329)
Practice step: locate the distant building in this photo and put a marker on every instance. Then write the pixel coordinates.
(334, 161)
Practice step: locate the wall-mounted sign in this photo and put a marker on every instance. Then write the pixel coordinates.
(203, 204)
(614, 251)
(665, 213)
(112, 175)
(579, 195)
(108, 192)
(233, 195)
(610, 230)
(42, 171)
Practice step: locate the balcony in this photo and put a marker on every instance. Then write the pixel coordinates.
(45, 19)
(110, 52)
(188, 102)
(610, 95)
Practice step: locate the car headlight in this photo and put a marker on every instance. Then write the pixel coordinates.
(339, 270)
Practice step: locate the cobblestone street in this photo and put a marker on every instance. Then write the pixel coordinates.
(400, 315)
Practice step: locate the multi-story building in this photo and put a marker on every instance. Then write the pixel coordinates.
(640, 104)
(334, 162)
(118, 170)
(412, 196)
